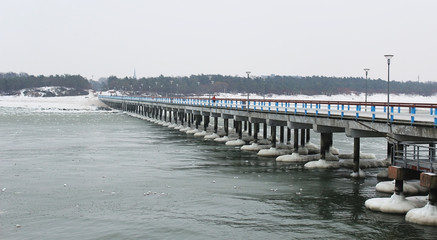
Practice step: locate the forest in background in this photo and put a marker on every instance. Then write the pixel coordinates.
(291, 85)
(210, 84)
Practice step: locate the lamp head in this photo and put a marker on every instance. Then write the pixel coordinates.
(388, 56)
(366, 69)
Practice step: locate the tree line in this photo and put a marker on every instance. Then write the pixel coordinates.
(292, 85)
(10, 82)
(210, 84)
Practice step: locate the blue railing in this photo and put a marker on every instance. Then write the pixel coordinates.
(412, 112)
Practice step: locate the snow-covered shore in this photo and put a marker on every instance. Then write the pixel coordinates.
(88, 102)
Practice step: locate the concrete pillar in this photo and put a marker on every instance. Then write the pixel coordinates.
(325, 143)
(302, 138)
(399, 175)
(240, 129)
(265, 130)
(308, 134)
(226, 126)
(288, 135)
(181, 117)
(175, 116)
(356, 166)
(255, 132)
(198, 120)
(215, 124)
(205, 122)
(273, 133)
(189, 119)
(390, 152)
(429, 180)
(249, 129)
(245, 125)
(296, 140)
(281, 134)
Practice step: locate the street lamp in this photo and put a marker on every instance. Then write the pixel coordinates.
(248, 74)
(367, 71)
(388, 87)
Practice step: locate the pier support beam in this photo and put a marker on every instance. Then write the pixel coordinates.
(239, 129)
(265, 130)
(325, 143)
(249, 128)
(400, 174)
(226, 126)
(215, 124)
(281, 134)
(255, 132)
(205, 122)
(296, 140)
(356, 167)
(273, 133)
(302, 150)
(288, 135)
(429, 180)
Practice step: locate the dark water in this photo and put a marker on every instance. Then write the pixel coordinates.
(96, 175)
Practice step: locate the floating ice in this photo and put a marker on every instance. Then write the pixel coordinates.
(395, 204)
(426, 215)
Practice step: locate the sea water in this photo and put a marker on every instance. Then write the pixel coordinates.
(106, 175)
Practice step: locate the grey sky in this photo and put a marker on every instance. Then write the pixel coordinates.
(183, 37)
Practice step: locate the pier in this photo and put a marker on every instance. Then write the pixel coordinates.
(410, 128)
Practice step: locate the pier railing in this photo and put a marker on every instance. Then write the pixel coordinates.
(419, 157)
(412, 113)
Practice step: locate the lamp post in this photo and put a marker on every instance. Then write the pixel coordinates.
(365, 100)
(388, 57)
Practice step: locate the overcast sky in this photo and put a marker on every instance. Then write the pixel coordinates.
(182, 37)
